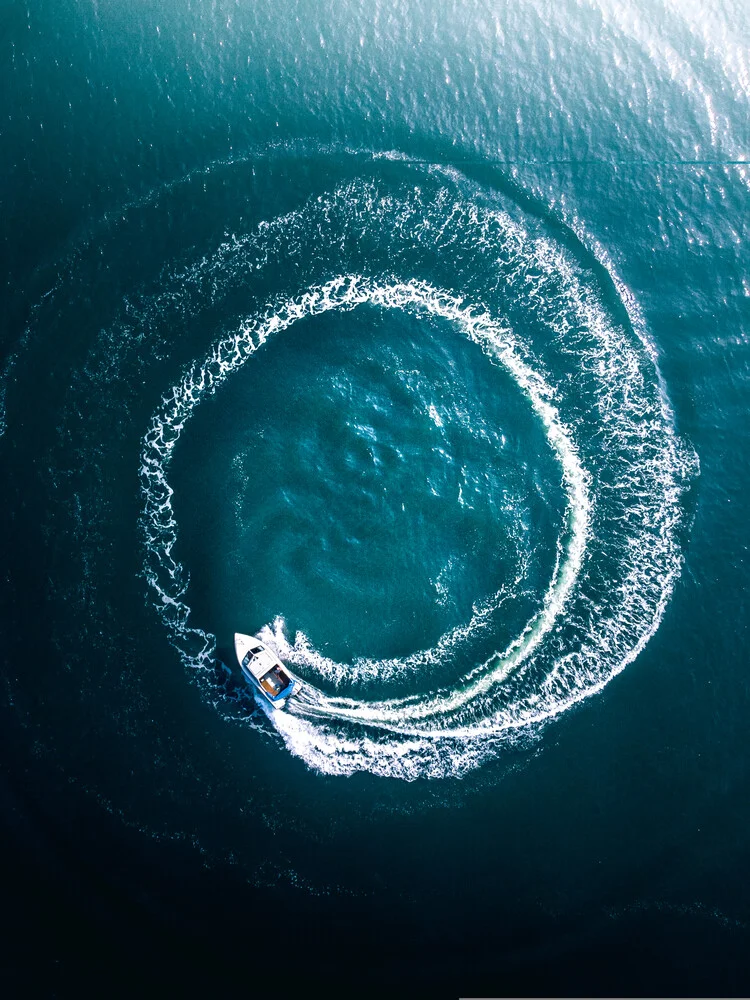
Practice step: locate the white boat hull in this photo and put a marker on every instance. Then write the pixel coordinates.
(264, 670)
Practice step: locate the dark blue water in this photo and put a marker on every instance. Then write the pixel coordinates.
(412, 337)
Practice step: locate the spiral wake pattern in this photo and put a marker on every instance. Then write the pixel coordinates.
(586, 371)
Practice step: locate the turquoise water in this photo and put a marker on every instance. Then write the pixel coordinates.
(413, 338)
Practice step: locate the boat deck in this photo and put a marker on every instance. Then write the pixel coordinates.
(274, 682)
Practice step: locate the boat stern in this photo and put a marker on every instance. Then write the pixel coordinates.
(264, 670)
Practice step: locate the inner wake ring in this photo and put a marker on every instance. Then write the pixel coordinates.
(346, 293)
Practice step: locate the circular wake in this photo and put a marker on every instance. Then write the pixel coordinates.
(590, 381)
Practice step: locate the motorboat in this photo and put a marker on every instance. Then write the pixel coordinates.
(264, 670)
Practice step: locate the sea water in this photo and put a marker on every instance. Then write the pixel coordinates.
(412, 337)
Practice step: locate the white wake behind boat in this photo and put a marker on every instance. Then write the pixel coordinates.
(264, 670)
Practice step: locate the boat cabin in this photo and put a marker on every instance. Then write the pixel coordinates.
(267, 671)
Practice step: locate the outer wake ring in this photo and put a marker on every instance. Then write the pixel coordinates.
(637, 465)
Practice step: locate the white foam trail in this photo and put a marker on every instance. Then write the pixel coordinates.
(559, 658)
(347, 293)
(301, 653)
